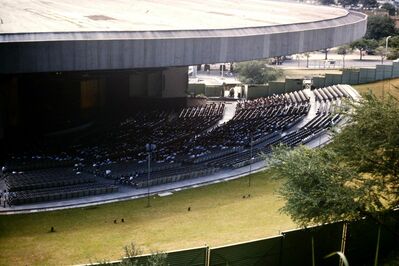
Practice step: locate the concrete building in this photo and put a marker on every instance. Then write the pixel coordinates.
(66, 63)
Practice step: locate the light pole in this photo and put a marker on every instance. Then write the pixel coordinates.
(386, 45)
(149, 148)
(250, 162)
(386, 49)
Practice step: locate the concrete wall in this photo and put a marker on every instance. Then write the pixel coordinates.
(131, 50)
(175, 82)
(137, 84)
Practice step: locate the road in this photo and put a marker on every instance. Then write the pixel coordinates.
(317, 60)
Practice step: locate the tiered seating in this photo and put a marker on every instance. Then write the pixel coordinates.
(255, 119)
(52, 184)
(28, 163)
(331, 93)
(167, 130)
(59, 193)
(190, 143)
(172, 175)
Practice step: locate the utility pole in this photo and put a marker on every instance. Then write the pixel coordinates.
(250, 161)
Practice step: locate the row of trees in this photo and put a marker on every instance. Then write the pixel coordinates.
(374, 41)
(364, 3)
(256, 72)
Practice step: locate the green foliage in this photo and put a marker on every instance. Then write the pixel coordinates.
(348, 2)
(343, 50)
(131, 253)
(379, 27)
(394, 42)
(363, 45)
(369, 3)
(355, 176)
(390, 8)
(157, 259)
(327, 2)
(131, 258)
(256, 72)
(393, 54)
(370, 143)
(315, 185)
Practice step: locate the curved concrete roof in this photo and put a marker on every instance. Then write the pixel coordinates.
(153, 15)
(46, 36)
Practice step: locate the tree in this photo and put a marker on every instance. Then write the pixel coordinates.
(379, 27)
(390, 8)
(370, 144)
(381, 51)
(314, 185)
(327, 2)
(307, 55)
(358, 175)
(364, 45)
(343, 50)
(393, 54)
(348, 2)
(369, 3)
(256, 72)
(393, 42)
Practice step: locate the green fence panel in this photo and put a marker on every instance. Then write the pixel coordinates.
(387, 71)
(328, 239)
(361, 242)
(367, 75)
(395, 70)
(257, 91)
(293, 85)
(379, 72)
(187, 257)
(276, 87)
(214, 91)
(362, 238)
(346, 76)
(354, 77)
(196, 89)
(333, 79)
(256, 253)
(297, 245)
(319, 82)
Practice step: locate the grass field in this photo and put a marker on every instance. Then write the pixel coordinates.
(301, 73)
(219, 215)
(381, 88)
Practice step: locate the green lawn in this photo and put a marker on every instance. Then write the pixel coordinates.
(301, 73)
(219, 215)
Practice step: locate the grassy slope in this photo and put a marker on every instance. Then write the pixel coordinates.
(380, 88)
(219, 216)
